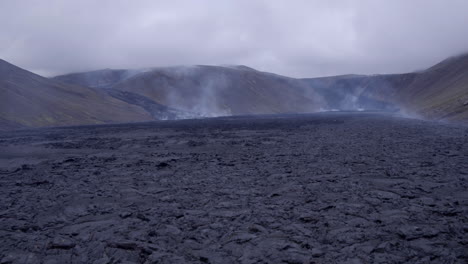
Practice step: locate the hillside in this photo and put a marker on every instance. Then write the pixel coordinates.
(438, 93)
(353, 92)
(208, 90)
(29, 100)
(114, 96)
(98, 79)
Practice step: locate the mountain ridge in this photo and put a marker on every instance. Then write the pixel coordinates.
(439, 92)
(209, 90)
(30, 100)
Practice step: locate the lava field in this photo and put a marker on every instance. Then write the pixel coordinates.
(316, 188)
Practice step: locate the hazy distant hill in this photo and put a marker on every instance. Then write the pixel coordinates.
(351, 92)
(29, 100)
(208, 90)
(100, 78)
(109, 96)
(213, 90)
(440, 92)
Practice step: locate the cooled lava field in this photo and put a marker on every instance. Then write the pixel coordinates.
(319, 188)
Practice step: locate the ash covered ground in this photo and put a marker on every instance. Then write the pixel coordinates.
(319, 188)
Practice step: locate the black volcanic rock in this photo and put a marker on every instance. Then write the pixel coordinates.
(320, 188)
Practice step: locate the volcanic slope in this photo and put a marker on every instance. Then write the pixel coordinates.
(440, 92)
(320, 188)
(208, 90)
(29, 100)
(353, 92)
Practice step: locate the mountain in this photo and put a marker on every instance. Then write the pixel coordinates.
(98, 79)
(354, 92)
(206, 90)
(29, 100)
(110, 96)
(438, 93)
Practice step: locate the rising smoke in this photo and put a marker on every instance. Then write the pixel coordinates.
(196, 93)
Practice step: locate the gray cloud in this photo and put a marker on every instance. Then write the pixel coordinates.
(299, 38)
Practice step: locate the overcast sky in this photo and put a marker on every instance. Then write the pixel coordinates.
(300, 38)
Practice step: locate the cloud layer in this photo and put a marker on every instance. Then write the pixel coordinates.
(301, 38)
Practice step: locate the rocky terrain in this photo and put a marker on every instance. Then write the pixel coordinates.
(319, 188)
